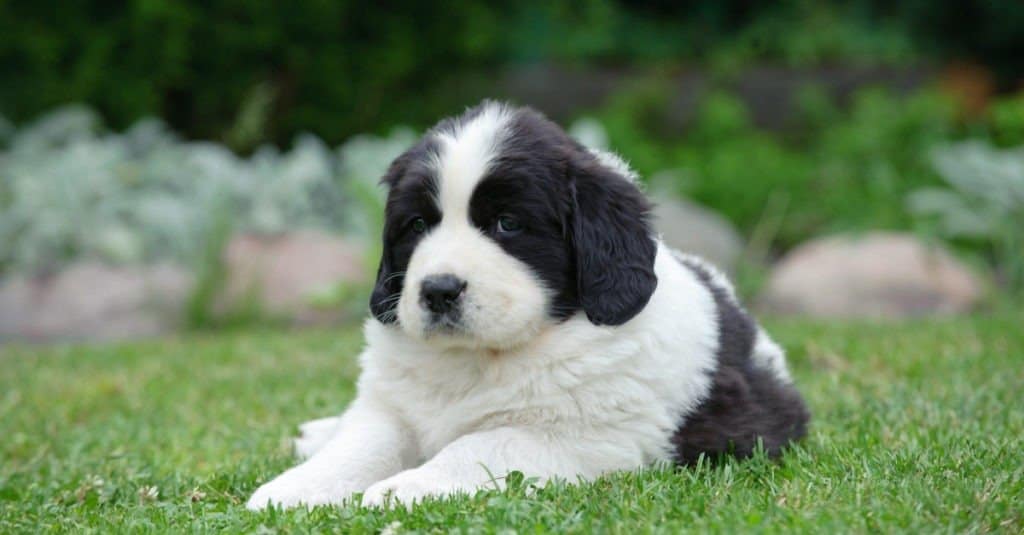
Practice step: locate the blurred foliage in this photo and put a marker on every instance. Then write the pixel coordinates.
(246, 72)
(1007, 121)
(984, 202)
(985, 31)
(844, 170)
(210, 272)
(70, 190)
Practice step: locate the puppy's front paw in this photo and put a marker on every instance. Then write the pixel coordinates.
(409, 487)
(299, 487)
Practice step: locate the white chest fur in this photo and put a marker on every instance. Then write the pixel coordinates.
(632, 383)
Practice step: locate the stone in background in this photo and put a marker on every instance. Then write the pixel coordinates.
(876, 275)
(691, 228)
(91, 301)
(283, 272)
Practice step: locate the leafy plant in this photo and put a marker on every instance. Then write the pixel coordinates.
(846, 170)
(1007, 120)
(70, 191)
(984, 202)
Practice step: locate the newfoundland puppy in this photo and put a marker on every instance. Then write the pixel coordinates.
(526, 317)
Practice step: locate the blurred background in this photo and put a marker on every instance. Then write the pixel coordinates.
(173, 165)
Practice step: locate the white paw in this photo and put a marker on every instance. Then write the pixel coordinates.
(409, 487)
(313, 435)
(300, 487)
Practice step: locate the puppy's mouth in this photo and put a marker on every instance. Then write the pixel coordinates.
(446, 324)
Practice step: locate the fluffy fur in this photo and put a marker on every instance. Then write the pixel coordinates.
(574, 344)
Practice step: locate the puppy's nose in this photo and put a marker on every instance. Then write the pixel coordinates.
(441, 292)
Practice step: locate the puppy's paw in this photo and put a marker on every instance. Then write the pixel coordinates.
(299, 487)
(409, 487)
(313, 435)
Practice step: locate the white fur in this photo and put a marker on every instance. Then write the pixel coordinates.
(463, 158)
(615, 162)
(766, 353)
(437, 415)
(314, 434)
(769, 355)
(503, 304)
(575, 401)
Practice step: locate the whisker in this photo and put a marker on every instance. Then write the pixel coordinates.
(393, 298)
(393, 276)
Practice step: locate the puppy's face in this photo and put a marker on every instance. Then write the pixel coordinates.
(498, 224)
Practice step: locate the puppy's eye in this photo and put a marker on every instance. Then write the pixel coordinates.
(508, 224)
(418, 225)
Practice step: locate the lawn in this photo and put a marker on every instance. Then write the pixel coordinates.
(917, 427)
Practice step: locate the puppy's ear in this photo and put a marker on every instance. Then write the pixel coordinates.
(614, 245)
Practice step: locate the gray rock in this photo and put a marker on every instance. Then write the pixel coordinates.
(94, 302)
(877, 275)
(691, 228)
(282, 273)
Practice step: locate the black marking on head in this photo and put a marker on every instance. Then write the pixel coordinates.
(412, 186)
(527, 180)
(747, 404)
(585, 232)
(412, 191)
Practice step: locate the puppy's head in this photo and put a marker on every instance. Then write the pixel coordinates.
(498, 224)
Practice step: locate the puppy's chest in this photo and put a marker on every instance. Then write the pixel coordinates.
(452, 399)
(449, 398)
(587, 394)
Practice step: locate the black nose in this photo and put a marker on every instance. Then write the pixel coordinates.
(441, 292)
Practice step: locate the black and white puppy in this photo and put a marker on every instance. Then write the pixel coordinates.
(526, 317)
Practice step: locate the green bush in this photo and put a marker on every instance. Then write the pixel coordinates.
(847, 170)
(868, 159)
(344, 67)
(983, 203)
(1007, 121)
(69, 190)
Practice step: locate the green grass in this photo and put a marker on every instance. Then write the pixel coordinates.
(917, 427)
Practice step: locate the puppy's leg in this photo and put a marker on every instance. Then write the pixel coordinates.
(481, 460)
(313, 435)
(370, 444)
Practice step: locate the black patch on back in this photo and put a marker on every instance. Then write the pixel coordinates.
(747, 404)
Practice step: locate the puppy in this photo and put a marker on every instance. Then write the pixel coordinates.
(526, 317)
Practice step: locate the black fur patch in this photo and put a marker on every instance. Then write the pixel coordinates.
(615, 249)
(585, 230)
(747, 404)
(527, 180)
(412, 185)
(588, 234)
